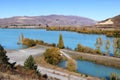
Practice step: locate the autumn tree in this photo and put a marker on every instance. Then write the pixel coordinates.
(28, 42)
(71, 65)
(53, 56)
(107, 46)
(99, 43)
(61, 43)
(117, 47)
(113, 76)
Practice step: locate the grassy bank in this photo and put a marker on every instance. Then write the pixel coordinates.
(41, 62)
(103, 60)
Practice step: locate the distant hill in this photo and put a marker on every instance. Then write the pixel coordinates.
(116, 20)
(110, 22)
(50, 20)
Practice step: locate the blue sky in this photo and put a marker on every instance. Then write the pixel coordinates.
(94, 9)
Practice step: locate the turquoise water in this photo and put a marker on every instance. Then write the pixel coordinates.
(9, 37)
(93, 69)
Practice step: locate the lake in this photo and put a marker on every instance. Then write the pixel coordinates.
(10, 37)
(93, 69)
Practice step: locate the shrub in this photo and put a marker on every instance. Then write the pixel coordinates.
(84, 49)
(28, 42)
(113, 76)
(53, 56)
(71, 65)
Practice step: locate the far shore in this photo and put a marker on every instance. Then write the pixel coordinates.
(108, 31)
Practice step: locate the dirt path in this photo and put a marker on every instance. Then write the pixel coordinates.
(66, 55)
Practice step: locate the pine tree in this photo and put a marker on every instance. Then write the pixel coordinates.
(61, 43)
(30, 63)
(3, 58)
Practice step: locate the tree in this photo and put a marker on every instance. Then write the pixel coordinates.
(30, 63)
(28, 42)
(71, 65)
(107, 47)
(22, 37)
(117, 47)
(53, 56)
(61, 43)
(113, 76)
(99, 44)
(3, 58)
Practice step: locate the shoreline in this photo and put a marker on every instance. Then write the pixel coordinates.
(21, 55)
(109, 32)
(98, 59)
(36, 51)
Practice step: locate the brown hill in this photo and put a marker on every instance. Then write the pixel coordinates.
(51, 20)
(110, 23)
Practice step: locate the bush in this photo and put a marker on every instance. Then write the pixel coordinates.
(71, 65)
(84, 49)
(114, 76)
(53, 56)
(28, 42)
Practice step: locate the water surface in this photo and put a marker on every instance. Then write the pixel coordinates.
(93, 69)
(10, 37)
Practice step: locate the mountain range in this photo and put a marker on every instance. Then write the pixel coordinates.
(50, 20)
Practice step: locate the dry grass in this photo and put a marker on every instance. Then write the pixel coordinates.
(5, 76)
